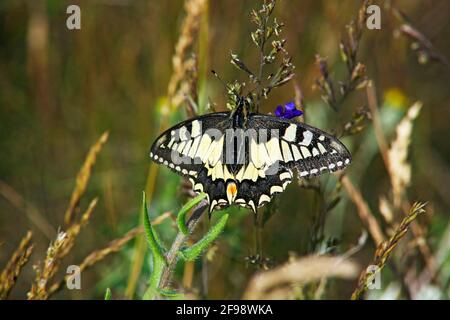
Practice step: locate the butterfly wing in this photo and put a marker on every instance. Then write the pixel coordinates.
(193, 149)
(277, 148)
(185, 147)
(297, 145)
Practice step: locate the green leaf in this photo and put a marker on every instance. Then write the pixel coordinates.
(108, 295)
(158, 259)
(150, 233)
(193, 252)
(181, 218)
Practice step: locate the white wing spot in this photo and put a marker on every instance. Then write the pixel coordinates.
(286, 152)
(285, 175)
(196, 130)
(273, 150)
(171, 142)
(290, 133)
(213, 204)
(315, 152)
(275, 189)
(305, 152)
(187, 147)
(183, 134)
(193, 173)
(264, 198)
(296, 153)
(252, 205)
(321, 148)
(194, 147)
(307, 138)
(203, 147)
(251, 173)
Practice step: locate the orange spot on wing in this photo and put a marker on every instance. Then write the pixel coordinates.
(232, 188)
(231, 192)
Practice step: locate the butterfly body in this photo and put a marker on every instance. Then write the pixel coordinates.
(246, 158)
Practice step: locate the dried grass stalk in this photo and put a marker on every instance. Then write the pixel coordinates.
(364, 211)
(55, 253)
(385, 249)
(83, 178)
(376, 121)
(181, 63)
(9, 275)
(399, 168)
(277, 283)
(98, 255)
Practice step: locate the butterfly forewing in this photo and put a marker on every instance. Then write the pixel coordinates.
(310, 150)
(191, 144)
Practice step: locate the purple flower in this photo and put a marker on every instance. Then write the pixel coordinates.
(288, 111)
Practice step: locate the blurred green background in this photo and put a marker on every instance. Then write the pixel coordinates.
(60, 89)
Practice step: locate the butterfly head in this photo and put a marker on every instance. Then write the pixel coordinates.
(241, 111)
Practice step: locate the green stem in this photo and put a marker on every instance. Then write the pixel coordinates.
(180, 239)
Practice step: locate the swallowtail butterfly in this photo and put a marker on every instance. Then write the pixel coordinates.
(246, 158)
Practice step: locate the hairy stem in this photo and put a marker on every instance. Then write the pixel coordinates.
(180, 239)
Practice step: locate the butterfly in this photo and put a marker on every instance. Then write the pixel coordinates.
(244, 158)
